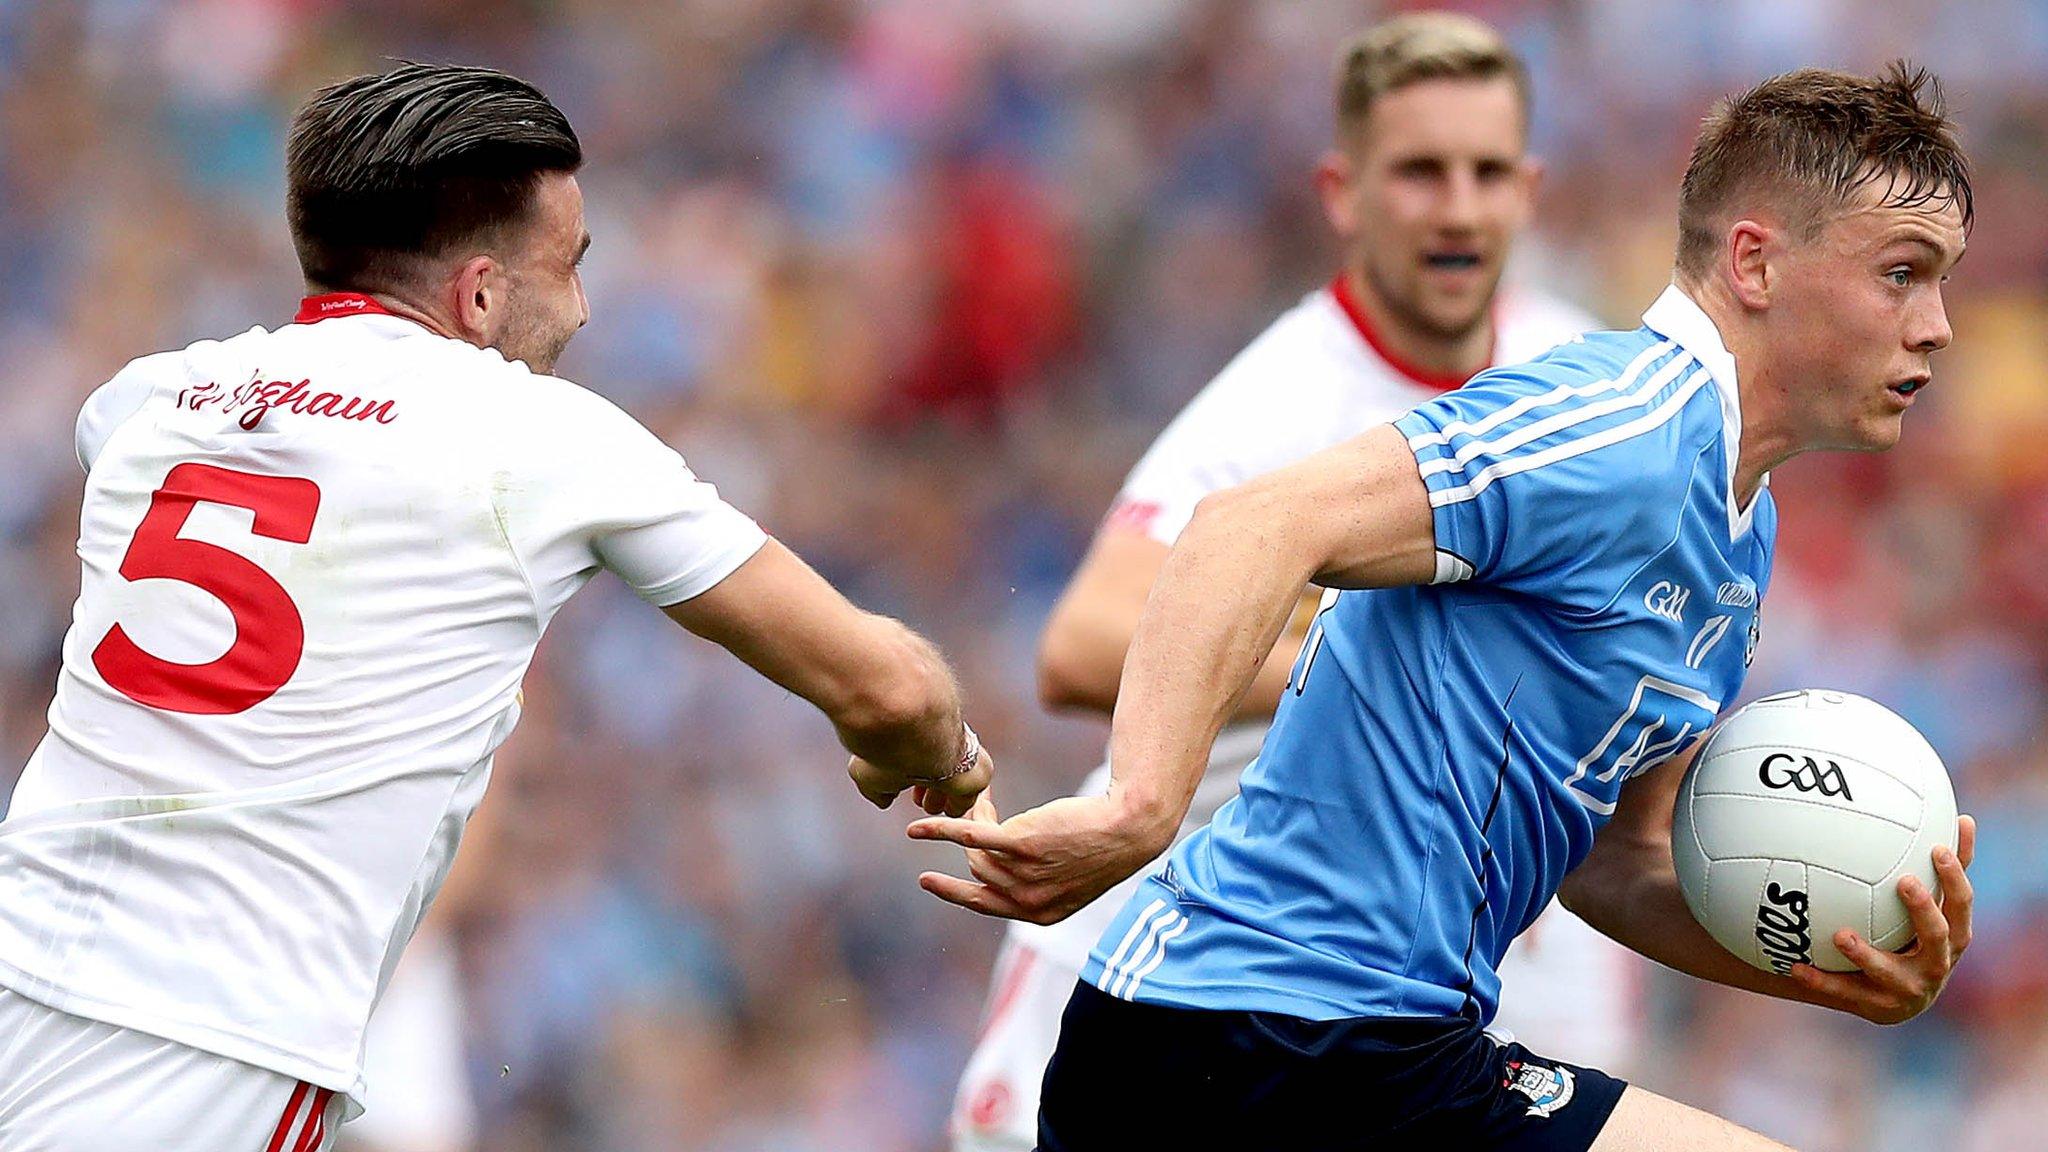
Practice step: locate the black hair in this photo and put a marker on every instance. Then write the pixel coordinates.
(388, 172)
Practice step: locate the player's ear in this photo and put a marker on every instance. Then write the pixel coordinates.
(1333, 178)
(1530, 175)
(478, 292)
(1746, 256)
(1533, 172)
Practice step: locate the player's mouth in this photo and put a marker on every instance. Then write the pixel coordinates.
(1451, 261)
(1908, 388)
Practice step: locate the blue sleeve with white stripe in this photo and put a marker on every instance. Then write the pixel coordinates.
(1542, 470)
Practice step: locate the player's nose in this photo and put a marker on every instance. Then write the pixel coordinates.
(1931, 331)
(1460, 204)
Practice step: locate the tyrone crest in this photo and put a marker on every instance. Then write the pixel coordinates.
(1548, 1088)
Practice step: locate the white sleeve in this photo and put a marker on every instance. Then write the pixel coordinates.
(603, 491)
(111, 405)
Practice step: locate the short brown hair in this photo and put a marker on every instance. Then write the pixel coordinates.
(1810, 140)
(389, 171)
(1416, 47)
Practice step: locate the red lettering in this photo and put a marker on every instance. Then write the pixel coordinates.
(258, 397)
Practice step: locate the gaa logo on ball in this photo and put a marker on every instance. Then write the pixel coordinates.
(1798, 819)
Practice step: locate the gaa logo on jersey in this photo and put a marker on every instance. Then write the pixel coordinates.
(1547, 1087)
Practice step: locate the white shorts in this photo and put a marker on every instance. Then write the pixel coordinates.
(68, 1084)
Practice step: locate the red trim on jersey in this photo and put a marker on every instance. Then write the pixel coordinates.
(327, 306)
(1440, 381)
(284, 1122)
(1131, 516)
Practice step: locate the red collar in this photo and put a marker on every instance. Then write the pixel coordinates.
(327, 306)
(1437, 381)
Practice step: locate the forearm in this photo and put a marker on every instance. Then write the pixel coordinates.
(886, 690)
(1637, 903)
(1218, 610)
(903, 714)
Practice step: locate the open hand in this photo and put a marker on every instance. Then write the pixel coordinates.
(1896, 986)
(1045, 864)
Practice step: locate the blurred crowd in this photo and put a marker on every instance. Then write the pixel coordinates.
(914, 281)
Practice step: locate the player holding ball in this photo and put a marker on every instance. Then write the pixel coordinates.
(1540, 574)
(1427, 188)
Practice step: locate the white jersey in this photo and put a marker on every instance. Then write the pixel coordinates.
(316, 563)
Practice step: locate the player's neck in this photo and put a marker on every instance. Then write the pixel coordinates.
(1768, 438)
(396, 305)
(1427, 357)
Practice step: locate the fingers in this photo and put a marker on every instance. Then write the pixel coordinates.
(1966, 839)
(877, 786)
(880, 797)
(967, 833)
(1930, 927)
(985, 808)
(1848, 991)
(971, 896)
(1958, 895)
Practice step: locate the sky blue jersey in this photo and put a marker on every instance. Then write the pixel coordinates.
(1444, 753)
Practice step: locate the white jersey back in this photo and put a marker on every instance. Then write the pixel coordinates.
(316, 563)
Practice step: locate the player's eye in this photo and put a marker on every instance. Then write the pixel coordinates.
(1900, 277)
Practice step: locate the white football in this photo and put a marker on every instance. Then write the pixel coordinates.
(1798, 819)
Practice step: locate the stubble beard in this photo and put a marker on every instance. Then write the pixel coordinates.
(1406, 308)
(532, 343)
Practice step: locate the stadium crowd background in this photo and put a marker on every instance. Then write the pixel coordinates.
(914, 281)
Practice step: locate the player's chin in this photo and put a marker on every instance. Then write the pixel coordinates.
(1455, 314)
(1877, 432)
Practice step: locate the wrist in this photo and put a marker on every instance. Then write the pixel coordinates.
(964, 762)
(1146, 818)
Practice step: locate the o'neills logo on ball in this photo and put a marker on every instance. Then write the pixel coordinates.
(1783, 930)
(1782, 770)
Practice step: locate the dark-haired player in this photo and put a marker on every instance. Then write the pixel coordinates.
(316, 562)
(1500, 705)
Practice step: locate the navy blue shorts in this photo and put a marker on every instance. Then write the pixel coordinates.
(1130, 1076)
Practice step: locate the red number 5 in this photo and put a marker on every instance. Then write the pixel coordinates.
(270, 636)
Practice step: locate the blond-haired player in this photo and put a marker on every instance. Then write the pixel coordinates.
(316, 563)
(1426, 188)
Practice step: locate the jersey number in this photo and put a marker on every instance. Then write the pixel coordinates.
(270, 636)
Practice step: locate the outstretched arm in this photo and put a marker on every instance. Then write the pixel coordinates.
(1627, 888)
(886, 690)
(1354, 516)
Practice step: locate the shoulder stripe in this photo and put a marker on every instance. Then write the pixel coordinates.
(1621, 380)
(1486, 476)
(1535, 430)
